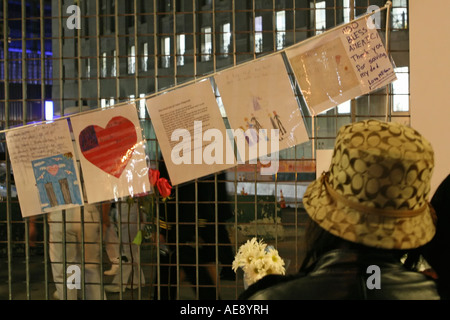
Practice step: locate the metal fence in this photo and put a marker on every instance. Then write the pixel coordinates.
(63, 57)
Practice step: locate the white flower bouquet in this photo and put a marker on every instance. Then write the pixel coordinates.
(258, 260)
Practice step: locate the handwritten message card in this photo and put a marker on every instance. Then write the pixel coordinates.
(191, 132)
(112, 153)
(44, 165)
(340, 65)
(367, 54)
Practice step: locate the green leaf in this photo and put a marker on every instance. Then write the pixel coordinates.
(138, 239)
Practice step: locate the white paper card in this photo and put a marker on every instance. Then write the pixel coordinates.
(191, 132)
(112, 153)
(340, 65)
(259, 95)
(44, 165)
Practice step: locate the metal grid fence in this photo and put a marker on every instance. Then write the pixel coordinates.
(52, 65)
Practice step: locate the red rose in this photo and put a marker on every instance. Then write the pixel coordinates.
(164, 187)
(153, 176)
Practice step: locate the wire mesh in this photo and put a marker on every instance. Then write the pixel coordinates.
(64, 57)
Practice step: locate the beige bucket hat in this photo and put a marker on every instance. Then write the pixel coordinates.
(376, 190)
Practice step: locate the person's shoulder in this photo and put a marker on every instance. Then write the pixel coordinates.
(268, 282)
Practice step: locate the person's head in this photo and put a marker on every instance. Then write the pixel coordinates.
(375, 194)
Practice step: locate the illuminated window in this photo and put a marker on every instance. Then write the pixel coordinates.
(114, 64)
(132, 60)
(165, 49)
(145, 57)
(399, 14)
(48, 110)
(206, 44)
(104, 72)
(258, 35)
(142, 106)
(88, 68)
(103, 103)
(319, 16)
(346, 10)
(281, 29)
(344, 107)
(400, 90)
(181, 49)
(226, 38)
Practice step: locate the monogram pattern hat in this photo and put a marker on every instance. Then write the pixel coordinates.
(376, 190)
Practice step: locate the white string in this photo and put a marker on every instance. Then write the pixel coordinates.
(388, 11)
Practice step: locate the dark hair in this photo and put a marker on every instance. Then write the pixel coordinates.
(318, 241)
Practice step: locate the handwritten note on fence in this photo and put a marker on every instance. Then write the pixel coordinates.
(367, 55)
(45, 172)
(340, 65)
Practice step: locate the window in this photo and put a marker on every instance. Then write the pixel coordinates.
(104, 72)
(129, 10)
(258, 35)
(132, 60)
(145, 57)
(226, 38)
(281, 29)
(399, 14)
(86, 20)
(142, 106)
(102, 12)
(143, 10)
(165, 52)
(400, 90)
(346, 10)
(114, 65)
(48, 106)
(112, 19)
(206, 44)
(103, 103)
(181, 49)
(88, 68)
(319, 16)
(344, 107)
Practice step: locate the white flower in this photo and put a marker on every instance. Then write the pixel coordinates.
(258, 260)
(275, 265)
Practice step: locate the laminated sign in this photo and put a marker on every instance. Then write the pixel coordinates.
(45, 171)
(341, 64)
(258, 100)
(191, 132)
(112, 153)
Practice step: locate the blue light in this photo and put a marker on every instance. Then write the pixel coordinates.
(48, 110)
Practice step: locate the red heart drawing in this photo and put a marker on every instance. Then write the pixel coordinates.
(111, 148)
(53, 170)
